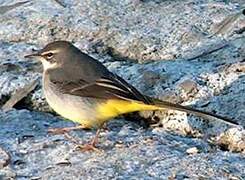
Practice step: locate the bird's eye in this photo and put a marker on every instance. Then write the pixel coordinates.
(49, 55)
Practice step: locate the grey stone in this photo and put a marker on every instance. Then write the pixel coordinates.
(128, 151)
(4, 158)
(189, 88)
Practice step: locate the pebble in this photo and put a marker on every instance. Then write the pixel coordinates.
(4, 158)
(192, 150)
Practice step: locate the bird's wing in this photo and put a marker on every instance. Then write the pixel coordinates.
(107, 87)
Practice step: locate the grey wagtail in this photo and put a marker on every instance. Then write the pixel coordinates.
(83, 90)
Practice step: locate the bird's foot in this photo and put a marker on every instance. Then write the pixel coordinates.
(92, 145)
(88, 147)
(84, 147)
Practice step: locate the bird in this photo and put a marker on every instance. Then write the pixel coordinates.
(81, 89)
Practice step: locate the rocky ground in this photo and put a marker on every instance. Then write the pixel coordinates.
(188, 52)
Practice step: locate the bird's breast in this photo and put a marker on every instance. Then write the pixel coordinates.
(75, 108)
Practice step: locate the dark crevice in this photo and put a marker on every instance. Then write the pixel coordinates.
(4, 99)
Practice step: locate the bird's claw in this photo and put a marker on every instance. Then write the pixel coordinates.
(88, 147)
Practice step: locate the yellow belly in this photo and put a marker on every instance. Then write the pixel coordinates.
(112, 108)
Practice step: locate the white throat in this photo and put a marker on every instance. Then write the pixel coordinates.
(47, 65)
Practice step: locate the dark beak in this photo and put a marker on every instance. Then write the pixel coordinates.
(36, 54)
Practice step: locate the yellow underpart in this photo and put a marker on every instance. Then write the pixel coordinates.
(103, 112)
(114, 108)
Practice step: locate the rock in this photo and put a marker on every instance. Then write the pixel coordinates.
(117, 25)
(233, 140)
(9, 67)
(4, 9)
(19, 95)
(170, 96)
(226, 24)
(192, 150)
(188, 86)
(4, 158)
(188, 89)
(192, 35)
(158, 79)
(144, 153)
(180, 123)
(150, 78)
(7, 173)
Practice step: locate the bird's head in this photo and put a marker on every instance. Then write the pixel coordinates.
(55, 54)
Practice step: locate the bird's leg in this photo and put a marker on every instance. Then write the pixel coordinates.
(91, 146)
(65, 130)
(94, 141)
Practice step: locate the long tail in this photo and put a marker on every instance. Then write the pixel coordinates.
(203, 114)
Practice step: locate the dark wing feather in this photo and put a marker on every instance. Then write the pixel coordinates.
(110, 86)
(131, 89)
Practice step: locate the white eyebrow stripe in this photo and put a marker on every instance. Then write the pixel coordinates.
(51, 51)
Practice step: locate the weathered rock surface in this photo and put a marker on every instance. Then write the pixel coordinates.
(4, 158)
(185, 59)
(127, 150)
